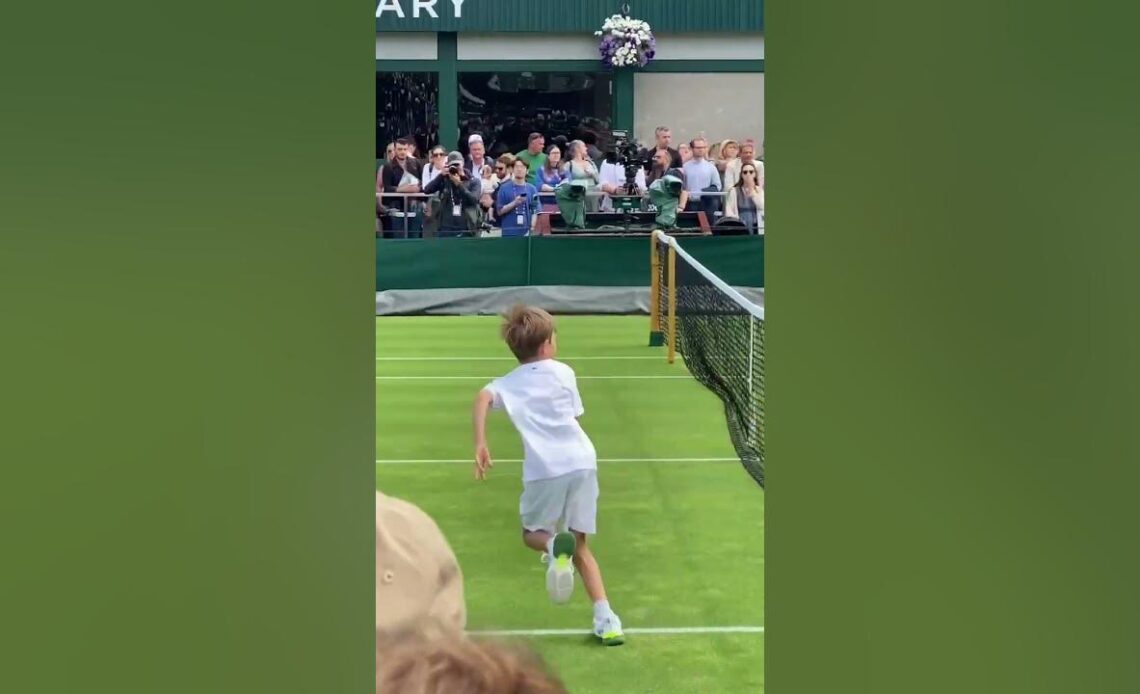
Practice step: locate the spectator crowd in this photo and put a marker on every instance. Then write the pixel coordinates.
(455, 194)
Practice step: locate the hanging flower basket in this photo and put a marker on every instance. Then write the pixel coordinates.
(626, 42)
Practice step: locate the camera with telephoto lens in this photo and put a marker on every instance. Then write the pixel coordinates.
(627, 154)
(454, 168)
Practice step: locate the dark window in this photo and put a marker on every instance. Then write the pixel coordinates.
(505, 107)
(407, 105)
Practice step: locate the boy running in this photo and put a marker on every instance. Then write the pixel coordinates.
(560, 466)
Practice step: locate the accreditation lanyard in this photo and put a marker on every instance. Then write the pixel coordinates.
(521, 217)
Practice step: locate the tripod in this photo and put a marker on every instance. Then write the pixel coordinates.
(625, 199)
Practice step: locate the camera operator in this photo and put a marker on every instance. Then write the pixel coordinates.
(623, 171)
(459, 195)
(612, 179)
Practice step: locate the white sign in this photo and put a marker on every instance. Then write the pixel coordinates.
(426, 7)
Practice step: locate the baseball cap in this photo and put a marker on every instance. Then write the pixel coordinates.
(418, 579)
(454, 158)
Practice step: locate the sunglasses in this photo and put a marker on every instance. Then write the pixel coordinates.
(437, 154)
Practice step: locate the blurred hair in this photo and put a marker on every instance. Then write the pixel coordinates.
(458, 665)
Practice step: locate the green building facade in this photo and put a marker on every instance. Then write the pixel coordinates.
(503, 68)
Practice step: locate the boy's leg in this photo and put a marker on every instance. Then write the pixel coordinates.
(587, 567)
(536, 539)
(581, 518)
(582, 511)
(541, 508)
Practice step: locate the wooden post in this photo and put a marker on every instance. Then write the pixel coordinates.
(672, 303)
(656, 338)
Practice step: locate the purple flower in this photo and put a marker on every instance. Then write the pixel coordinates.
(637, 46)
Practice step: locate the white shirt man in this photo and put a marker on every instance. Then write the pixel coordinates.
(477, 157)
(612, 177)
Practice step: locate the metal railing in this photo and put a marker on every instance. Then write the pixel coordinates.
(406, 218)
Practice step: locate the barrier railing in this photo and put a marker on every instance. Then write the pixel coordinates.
(402, 215)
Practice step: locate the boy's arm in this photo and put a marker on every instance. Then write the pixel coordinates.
(483, 402)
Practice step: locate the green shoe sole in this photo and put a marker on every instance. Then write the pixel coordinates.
(613, 639)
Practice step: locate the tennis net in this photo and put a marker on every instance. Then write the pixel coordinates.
(720, 334)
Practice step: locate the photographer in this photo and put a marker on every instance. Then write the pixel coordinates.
(459, 195)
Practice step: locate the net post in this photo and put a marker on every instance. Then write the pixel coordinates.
(656, 338)
(672, 304)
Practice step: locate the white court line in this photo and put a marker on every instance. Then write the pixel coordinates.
(651, 631)
(415, 461)
(658, 357)
(491, 378)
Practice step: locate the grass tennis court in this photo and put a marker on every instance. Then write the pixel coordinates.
(680, 523)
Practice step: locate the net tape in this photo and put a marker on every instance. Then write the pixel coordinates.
(720, 334)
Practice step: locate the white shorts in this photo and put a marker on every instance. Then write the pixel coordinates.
(568, 502)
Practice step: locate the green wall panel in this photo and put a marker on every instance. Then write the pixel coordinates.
(553, 260)
(606, 262)
(448, 263)
(738, 260)
(665, 16)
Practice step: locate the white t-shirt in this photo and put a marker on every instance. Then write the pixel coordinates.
(430, 173)
(615, 175)
(542, 400)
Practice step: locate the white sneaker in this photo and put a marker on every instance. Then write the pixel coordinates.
(560, 568)
(608, 629)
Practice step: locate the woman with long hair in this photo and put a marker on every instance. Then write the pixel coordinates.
(746, 199)
(550, 175)
(581, 168)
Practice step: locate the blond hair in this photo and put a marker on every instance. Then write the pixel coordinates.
(463, 666)
(525, 329)
(722, 152)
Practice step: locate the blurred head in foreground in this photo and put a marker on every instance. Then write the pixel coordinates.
(458, 665)
(418, 580)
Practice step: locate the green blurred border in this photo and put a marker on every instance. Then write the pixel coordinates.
(951, 361)
(187, 291)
